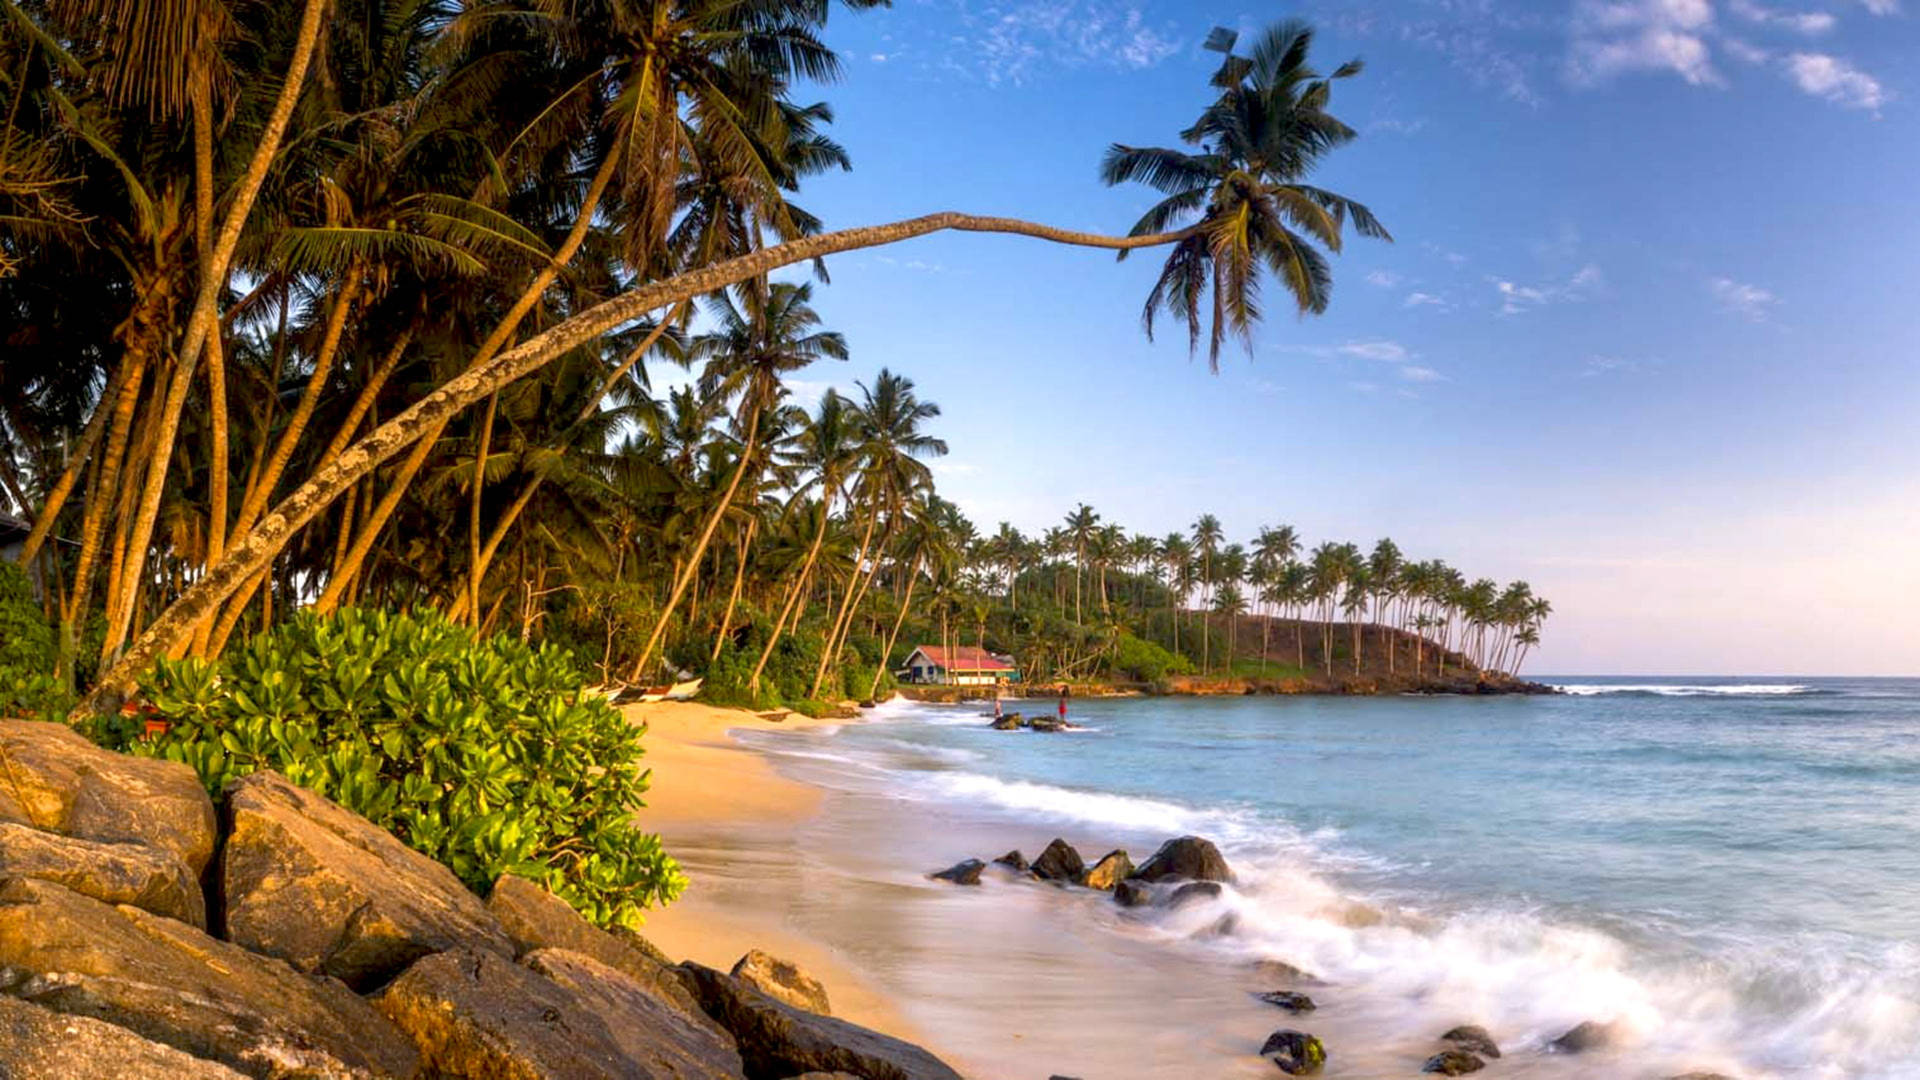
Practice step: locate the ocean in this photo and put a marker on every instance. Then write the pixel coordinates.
(1726, 870)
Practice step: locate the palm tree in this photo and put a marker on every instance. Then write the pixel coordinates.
(1176, 562)
(1245, 190)
(1080, 526)
(1229, 601)
(1207, 535)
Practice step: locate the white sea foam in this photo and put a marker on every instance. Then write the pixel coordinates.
(1675, 690)
(1089, 807)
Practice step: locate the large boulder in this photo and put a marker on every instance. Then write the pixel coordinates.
(328, 891)
(58, 781)
(777, 1040)
(1194, 892)
(534, 918)
(1585, 1036)
(146, 877)
(1060, 862)
(1191, 858)
(1132, 894)
(561, 1016)
(782, 980)
(173, 984)
(1013, 859)
(40, 1044)
(1110, 871)
(1295, 1052)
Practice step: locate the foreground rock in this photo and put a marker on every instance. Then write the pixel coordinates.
(149, 878)
(1194, 892)
(172, 984)
(1590, 1035)
(1060, 862)
(534, 918)
(1473, 1038)
(1295, 1052)
(1013, 859)
(777, 1040)
(58, 781)
(1453, 1063)
(782, 980)
(1189, 857)
(961, 873)
(477, 1015)
(330, 892)
(1110, 871)
(1280, 971)
(40, 1044)
(1132, 894)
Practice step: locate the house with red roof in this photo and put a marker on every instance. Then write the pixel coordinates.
(962, 665)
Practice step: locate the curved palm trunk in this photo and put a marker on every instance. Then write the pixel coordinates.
(692, 566)
(264, 541)
(57, 498)
(787, 608)
(893, 638)
(733, 600)
(843, 612)
(473, 508)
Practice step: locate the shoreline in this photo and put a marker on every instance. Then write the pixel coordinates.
(719, 807)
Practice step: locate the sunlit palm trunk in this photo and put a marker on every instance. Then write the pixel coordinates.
(733, 599)
(913, 578)
(793, 599)
(846, 604)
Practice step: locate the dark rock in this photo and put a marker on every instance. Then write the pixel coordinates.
(1453, 1063)
(534, 918)
(1472, 1037)
(168, 982)
(478, 1015)
(779, 1040)
(1295, 1052)
(1047, 724)
(1188, 857)
(1009, 722)
(1059, 863)
(58, 781)
(1589, 1035)
(1013, 859)
(1289, 1000)
(1280, 971)
(1132, 894)
(328, 891)
(1110, 871)
(146, 877)
(962, 873)
(782, 980)
(40, 1044)
(1194, 892)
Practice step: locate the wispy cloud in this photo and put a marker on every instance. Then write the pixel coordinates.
(1611, 37)
(1418, 299)
(1882, 7)
(1390, 351)
(1392, 126)
(1748, 301)
(1385, 279)
(1835, 80)
(1015, 41)
(1586, 283)
(1799, 22)
(1421, 374)
(1607, 365)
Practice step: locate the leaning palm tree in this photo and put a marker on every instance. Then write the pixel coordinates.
(1245, 190)
(772, 332)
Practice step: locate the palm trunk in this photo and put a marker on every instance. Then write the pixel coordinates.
(272, 533)
(787, 608)
(76, 465)
(846, 603)
(473, 509)
(739, 578)
(893, 638)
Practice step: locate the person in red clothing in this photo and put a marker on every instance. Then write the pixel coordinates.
(1063, 704)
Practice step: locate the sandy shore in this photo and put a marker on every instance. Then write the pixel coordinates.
(716, 804)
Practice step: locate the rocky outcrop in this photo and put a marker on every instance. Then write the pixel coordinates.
(966, 872)
(58, 781)
(1472, 1038)
(328, 891)
(1132, 894)
(777, 1040)
(534, 918)
(40, 1044)
(477, 1015)
(118, 873)
(782, 980)
(1590, 1035)
(170, 983)
(1290, 1000)
(1191, 858)
(1453, 1063)
(1295, 1052)
(1280, 971)
(1194, 892)
(1110, 871)
(1013, 859)
(1059, 863)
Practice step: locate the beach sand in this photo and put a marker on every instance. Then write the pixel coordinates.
(727, 815)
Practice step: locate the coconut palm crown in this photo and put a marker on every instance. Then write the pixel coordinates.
(1256, 143)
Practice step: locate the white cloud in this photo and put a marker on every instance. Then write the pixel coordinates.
(1606, 365)
(1882, 7)
(1425, 299)
(1747, 52)
(1389, 351)
(1749, 301)
(1800, 22)
(1613, 37)
(1417, 373)
(1385, 279)
(1398, 127)
(1586, 283)
(878, 58)
(1834, 79)
(1014, 42)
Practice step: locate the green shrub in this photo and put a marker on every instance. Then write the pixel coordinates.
(481, 753)
(1143, 661)
(29, 653)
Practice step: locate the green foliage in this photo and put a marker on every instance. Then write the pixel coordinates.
(28, 653)
(1143, 661)
(481, 753)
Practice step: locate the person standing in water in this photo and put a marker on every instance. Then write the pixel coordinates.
(1063, 703)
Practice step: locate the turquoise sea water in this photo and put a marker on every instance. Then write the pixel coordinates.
(1727, 868)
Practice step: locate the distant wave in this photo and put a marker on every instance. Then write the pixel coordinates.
(1092, 807)
(1698, 690)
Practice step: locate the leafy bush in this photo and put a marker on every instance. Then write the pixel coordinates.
(1143, 661)
(28, 653)
(481, 753)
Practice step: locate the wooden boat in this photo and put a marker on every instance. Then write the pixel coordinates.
(680, 691)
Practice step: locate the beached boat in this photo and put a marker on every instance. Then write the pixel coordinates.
(680, 691)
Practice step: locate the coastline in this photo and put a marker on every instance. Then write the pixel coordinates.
(721, 809)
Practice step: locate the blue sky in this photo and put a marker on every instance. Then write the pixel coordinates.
(1646, 337)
